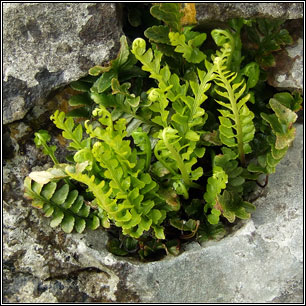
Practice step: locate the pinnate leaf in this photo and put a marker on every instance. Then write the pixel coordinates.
(68, 223)
(61, 194)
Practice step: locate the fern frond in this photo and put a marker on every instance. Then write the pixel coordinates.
(150, 61)
(189, 48)
(236, 123)
(70, 131)
(41, 139)
(66, 207)
(283, 133)
(179, 159)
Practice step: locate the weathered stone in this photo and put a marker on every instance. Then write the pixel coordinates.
(47, 45)
(223, 11)
(289, 69)
(262, 261)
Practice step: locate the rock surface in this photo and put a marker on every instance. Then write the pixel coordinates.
(47, 45)
(261, 262)
(289, 70)
(223, 11)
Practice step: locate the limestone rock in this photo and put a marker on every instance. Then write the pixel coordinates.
(47, 45)
(288, 72)
(223, 11)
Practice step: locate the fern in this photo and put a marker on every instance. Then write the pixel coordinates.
(231, 205)
(66, 207)
(179, 159)
(266, 36)
(142, 140)
(135, 116)
(70, 131)
(281, 122)
(142, 136)
(169, 13)
(132, 209)
(236, 123)
(190, 50)
(41, 139)
(149, 59)
(215, 184)
(123, 66)
(235, 174)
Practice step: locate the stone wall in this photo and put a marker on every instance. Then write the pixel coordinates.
(49, 45)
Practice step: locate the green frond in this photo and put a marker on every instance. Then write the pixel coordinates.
(241, 115)
(70, 131)
(66, 207)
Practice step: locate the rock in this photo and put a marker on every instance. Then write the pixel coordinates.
(262, 261)
(223, 11)
(288, 71)
(47, 45)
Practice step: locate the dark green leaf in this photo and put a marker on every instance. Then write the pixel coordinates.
(113, 246)
(122, 56)
(169, 13)
(60, 195)
(70, 199)
(81, 112)
(68, 224)
(84, 211)
(77, 204)
(94, 223)
(130, 244)
(104, 81)
(80, 86)
(252, 71)
(80, 225)
(49, 211)
(158, 34)
(48, 190)
(134, 17)
(173, 247)
(81, 99)
(58, 216)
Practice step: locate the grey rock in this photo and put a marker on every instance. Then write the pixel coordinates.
(289, 70)
(223, 11)
(262, 261)
(49, 45)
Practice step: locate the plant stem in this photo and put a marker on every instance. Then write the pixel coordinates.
(50, 153)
